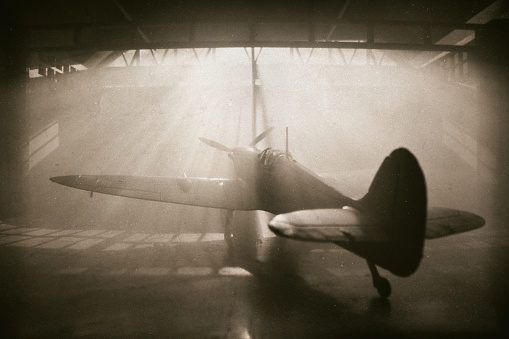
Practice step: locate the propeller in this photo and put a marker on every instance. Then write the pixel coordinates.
(224, 148)
(216, 145)
(261, 136)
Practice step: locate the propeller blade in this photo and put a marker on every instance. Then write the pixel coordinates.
(216, 145)
(261, 137)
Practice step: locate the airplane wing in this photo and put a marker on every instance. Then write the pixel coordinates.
(205, 192)
(326, 225)
(445, 221)
(347, 224)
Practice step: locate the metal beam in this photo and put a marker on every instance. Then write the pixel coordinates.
(110, 58)
(253, 93)
(461, 37)
(340, 17)
(252, 35)
(248, 44)
(72, 26)
(129, 18)
(136, 58)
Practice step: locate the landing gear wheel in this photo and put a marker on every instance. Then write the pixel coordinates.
(383, 286)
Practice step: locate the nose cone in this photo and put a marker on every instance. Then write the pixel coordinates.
(245, 152)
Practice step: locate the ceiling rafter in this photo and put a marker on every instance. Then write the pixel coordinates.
(461, 37)
(293, 35)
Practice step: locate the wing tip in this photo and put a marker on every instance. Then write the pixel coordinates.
(281, 227)
(75, 181)
(63, 180)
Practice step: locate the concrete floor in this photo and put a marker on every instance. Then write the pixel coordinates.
(102, 283)
(107, 266)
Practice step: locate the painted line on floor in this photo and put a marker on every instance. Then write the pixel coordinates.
(60, 242)
(19, 230)
(187, 237)
(137, 237)
(30, 242)
(187, 271)
(62, 233)
(12, 238)
(89, 233)
(118, 247)
(195, 271)
(110, 234)
(41, 232)
(142, 246)
(49, 238)
(7, 226)
(84, 244)
(162, 237)
(212, 237)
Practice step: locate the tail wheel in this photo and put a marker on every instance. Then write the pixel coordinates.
(383, 286)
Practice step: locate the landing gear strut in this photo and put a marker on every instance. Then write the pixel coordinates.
(228, 234)
(382, 285)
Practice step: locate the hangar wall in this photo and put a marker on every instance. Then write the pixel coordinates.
(13, 120)
(463, 116)
(494, 150)
(364, 112)
(494, 113)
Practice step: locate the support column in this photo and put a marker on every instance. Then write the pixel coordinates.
(493, 60)
(253, 86)
(13, 140)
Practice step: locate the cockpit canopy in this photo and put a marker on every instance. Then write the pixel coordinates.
(269, 156)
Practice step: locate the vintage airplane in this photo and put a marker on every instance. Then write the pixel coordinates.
(387, 226)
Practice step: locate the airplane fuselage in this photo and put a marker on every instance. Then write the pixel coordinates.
(282, 185)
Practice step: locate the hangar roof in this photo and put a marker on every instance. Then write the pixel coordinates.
(76, 31)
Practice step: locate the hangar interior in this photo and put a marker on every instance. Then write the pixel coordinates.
(127, 87)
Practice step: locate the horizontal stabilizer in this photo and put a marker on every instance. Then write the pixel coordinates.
(442, 222)
(327, 225)
(349, 225)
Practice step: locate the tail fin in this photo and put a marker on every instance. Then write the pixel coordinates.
(397, 201)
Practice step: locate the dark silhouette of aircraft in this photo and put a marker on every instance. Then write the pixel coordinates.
(387, 226)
